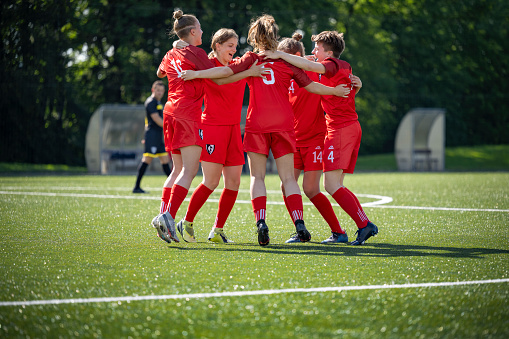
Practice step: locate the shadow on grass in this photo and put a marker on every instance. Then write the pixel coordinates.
(367, 250)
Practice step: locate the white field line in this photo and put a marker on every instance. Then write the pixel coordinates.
(380, 203)
(246, 293)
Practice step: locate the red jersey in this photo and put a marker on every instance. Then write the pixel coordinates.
(185, 98)
(223, 103)
(340, 111)
(269, 109)
(309, 118)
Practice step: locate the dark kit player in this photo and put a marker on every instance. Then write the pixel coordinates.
(154, 145)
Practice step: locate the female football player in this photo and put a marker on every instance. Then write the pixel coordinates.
(344, 132)
(182, 115)
(223, 153)
(269, 122)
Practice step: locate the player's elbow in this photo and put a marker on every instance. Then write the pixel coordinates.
(312, 88)
(225, 72)
(160, 74)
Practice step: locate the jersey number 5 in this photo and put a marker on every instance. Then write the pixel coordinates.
(269, 80)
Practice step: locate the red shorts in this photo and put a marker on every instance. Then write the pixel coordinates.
(223, 145)
(341, 148)
(180, 133)
(308, 158)
(281, 143)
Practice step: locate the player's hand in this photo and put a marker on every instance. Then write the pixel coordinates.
(271, 54)
(342, 90)
(258, 70)
(188, 75)
(356, 81)
(180, 44)
(310, 57)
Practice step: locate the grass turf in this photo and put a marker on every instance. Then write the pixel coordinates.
(92, 239)
(463, 159)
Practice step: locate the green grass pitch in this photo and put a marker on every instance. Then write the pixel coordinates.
(73, 238)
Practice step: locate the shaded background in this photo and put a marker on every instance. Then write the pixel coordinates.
(62, 59)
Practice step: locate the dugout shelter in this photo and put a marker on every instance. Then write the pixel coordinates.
(420, 140)
(113, 143)
(114, 137)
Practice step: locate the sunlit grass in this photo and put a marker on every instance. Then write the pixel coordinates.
(464, 159)
(81, 242)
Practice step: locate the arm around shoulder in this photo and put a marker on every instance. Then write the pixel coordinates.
(341, 90)
(211, 73)
(296, 60)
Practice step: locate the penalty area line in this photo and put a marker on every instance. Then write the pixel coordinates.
(248, 293)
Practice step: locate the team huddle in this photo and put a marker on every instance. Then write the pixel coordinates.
(289, 94)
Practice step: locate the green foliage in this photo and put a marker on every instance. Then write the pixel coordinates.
(448, 54)
(62, 59)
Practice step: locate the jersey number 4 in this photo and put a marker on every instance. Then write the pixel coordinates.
(331, 156)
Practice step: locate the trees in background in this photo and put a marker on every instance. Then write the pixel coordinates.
(61, 59)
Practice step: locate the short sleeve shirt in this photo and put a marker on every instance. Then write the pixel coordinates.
(309, 117)
(340, 111)
(153, 106)
(269, 108)
(185, 98)
(223, 103)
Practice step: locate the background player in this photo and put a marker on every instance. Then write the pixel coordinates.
(154, 145)
(343, 129)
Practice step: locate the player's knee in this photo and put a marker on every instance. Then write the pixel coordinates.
(189, 172)
(329, 186)
(232, 184)
(310, 190)
(287, 181)
(257, 176)
(211, 183)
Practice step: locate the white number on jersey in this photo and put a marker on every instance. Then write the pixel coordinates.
(331, 156)
(291, 89)
(317, 157)
(176, 66)
(272, 79)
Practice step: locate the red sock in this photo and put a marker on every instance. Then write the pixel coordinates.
(226, 202)
(350, 204)
(200, 195)
(295, 207)
(357, 202)
(286, 204)
(259, 207)
(324, 206)
(178, 194)
(165, 199)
